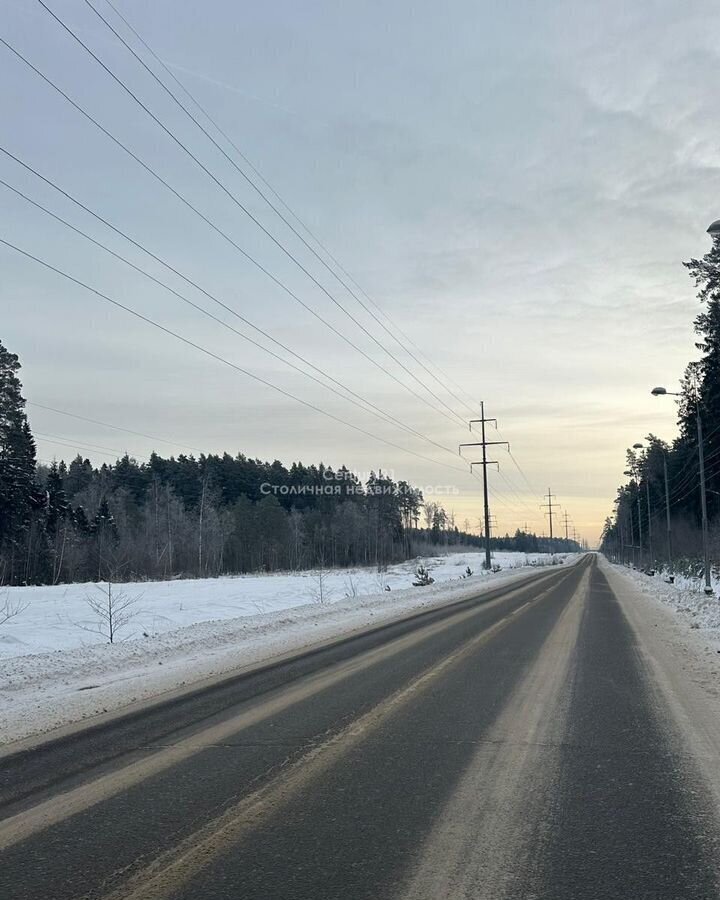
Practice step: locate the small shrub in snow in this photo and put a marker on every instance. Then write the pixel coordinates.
(381, 578)
(113, 609)
(11, 608)
(422, 577)
(320, 591)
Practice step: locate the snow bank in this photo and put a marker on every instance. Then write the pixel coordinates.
(686, 597)
(185, 631)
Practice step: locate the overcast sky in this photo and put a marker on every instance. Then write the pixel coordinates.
(514, 183)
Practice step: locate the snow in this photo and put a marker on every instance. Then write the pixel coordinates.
(60, 617)
(686, 597)
(682, 662)
(55, 671)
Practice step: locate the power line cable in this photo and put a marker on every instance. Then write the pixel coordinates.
(255, 187)
(189, 281)
(215, 227)
(472, 401)
(56, 439)
(137, 159)
(694, 472)
(252, 217)
(380, 413)
(690, 459)
(522, 473)
(520, 503)
(291, 212)
(695, 487)
(690, 468)
(114, 451)
(514, 487)
(64, 412)
(221, 359)
(192, 283)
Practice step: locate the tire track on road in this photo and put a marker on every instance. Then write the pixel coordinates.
(18, 827)
(483, 835)
(164, 877)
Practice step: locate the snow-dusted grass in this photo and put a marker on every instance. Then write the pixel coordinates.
(52, 672)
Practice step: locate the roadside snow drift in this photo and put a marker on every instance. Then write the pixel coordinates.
(686, 596)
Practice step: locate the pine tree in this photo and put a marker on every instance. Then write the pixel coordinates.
(57, 510)
(103, 527)
(57, 506)
(18, 495)
(702, 378)
(79, 476)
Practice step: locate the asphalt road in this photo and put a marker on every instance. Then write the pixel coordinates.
(511, 746)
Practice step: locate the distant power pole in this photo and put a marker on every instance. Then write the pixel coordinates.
(550, 506)
(484, 462)
(566, 517)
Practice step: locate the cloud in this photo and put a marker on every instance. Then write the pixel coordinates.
(516, 184)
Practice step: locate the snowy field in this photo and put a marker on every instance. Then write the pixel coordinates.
(60, 617)
(54, 672)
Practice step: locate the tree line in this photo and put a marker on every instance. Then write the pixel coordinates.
(201, 516)
(640, 531)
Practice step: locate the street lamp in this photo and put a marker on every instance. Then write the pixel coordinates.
(661, 392)
(636, 549)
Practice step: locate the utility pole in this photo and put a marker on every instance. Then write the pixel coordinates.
(566, 517)
(636, 472)
(630, 553)
(649, 528)
(661, 392)
(640, 534)
(493, 527)
(492, 524)
(484, 462)
(667, 513)
(703, 499)
(488, 517)
(550, 506)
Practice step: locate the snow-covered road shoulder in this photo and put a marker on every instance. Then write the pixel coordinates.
(41, 692)
(683, 662)
(684, 602)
